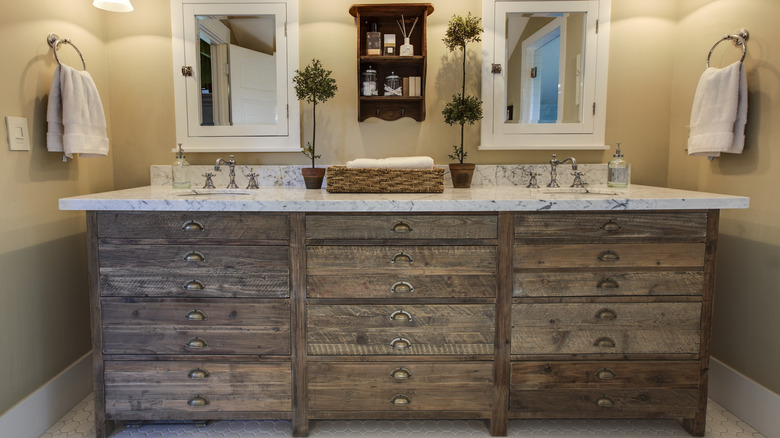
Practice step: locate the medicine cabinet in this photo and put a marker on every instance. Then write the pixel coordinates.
(544, 74)
(233, 65)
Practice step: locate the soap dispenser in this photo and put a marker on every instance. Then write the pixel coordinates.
(618, 171)
(179, 172)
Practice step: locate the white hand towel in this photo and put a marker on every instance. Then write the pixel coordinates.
(719, 112)
(77, 124)
(420, 162)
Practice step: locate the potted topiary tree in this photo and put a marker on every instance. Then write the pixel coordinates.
(462, 108)
(314, 84)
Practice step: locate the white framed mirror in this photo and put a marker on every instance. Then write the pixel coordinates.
(233, 65)
(544, 74)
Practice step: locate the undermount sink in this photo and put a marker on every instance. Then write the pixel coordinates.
(212, 192)
(580, 190)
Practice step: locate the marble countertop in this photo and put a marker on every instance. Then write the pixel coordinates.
(477, 198)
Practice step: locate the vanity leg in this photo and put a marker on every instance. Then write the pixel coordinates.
(300, 408)
(501, 366)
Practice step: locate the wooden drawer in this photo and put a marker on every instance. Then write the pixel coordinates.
(579, 226)
(193, 225)
(567, 283)
(194, 270)
(148, 326)
(414, 386)
(381, 226)
(400, 330)
(616, 255)
(606, 328)
(164, 389)
(401, 286)
(603, 375)
(421, 260)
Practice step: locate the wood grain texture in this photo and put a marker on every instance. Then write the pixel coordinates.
(408, 226)
(601, 226)
(605, 283)
(369, 329)
(437, 386)
(172, 339)
(166, 387)
(408, 260)
(603, 375)
(196, 313)
(156, 283)
(501, 371)
(299, 358)
(606, 256)
(584, 403)
(401, 286)
(233, 226)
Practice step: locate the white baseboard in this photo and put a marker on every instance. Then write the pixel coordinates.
(745, 398)
(35, 414)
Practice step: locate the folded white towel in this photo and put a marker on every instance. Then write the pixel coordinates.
(392, 163)
(719, 112)
(77, 124)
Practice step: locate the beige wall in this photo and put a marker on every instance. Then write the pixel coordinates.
(746, 327)
(44, 314)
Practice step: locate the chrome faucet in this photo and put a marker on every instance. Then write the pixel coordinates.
(554, 162)
(232, 164)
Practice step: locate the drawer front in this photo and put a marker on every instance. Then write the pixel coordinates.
(400, 330)
(613, 403)
(606, 328)
(618, 255)
(420, 260)
(401, 226)
(401, 286)
(194, 225)
(142, 283)
(602, 375)
(162, 388)
(566, 283)
(614, 225)
(195, 327)
(415, 386)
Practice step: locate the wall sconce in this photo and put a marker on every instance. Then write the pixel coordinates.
(113, 5)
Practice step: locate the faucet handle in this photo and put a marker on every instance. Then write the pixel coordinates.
(532, 183)
(252, 180)
(578, 179)
(209, 183)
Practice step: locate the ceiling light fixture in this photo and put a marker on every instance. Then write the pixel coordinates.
(113, 5)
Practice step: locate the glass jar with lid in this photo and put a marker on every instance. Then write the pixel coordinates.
(393, 85)
(369, 82)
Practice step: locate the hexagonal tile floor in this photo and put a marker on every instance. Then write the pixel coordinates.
(720, 424)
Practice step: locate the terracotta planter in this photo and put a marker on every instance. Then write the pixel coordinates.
(461, 175)
(313, 176)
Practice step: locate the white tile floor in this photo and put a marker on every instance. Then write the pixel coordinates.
(720, 424)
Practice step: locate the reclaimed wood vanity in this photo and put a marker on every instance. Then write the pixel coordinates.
(489, 303)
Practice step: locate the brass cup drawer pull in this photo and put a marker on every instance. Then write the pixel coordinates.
(604, 402)
(605, 374)
(198, 401)
(608, 256)
(196, 343)
(607, 283)
(194, 285)
(401, 374)
(198, 373)
(196, 315)
(605, 342)
(403, 257)
(610, 226)
(606, 314)
(401, 315)
(402, 287)
(194, 256)
(191, 226)
(401, 227)
(400, 400)
(401, 344)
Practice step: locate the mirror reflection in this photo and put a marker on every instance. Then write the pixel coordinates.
(237, 65)
(544, 62)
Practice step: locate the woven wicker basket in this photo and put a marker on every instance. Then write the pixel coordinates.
(342, 179)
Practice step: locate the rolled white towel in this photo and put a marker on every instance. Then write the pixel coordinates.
(420, 162)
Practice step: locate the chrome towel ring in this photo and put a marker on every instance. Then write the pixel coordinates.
(55, 41)
(739, 39)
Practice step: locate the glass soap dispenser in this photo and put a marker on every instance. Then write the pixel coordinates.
(179, 173)
(618, 171)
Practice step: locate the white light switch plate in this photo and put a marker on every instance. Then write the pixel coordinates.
(18, 133)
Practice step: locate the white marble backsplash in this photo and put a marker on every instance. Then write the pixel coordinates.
(290, 176)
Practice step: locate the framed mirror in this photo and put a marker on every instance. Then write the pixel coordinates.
(544, 74)
(233, 65)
